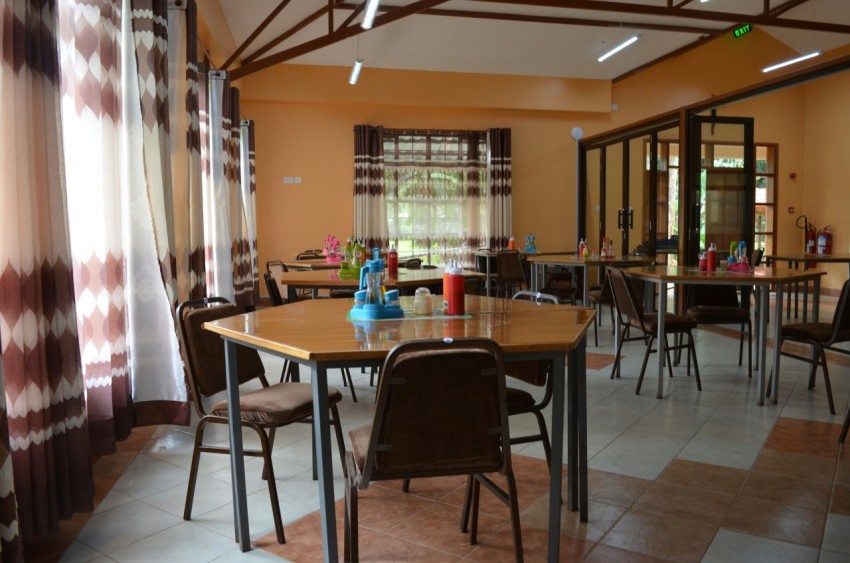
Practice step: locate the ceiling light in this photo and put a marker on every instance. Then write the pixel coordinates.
(369, 16)
(618, 48)
(703, 1)
(790, 62)
(355, 71)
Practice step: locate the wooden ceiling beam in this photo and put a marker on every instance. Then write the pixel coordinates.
(256, 65)
(265, 23)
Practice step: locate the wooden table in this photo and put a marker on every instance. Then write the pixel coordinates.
(315, 333)
(539, 264)
(322, 264)
(795, 259)
(761, 277)
(331, 279)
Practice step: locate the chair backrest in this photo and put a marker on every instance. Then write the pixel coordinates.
(203, 350)
(273, 289)
(509, 267)
(275, 268)
(625, 300)
(721, 295)
(413, 264)
(535, 372)
(606, 295)
(755, 259)
(536, 296)
(441, 410)
(309, 254)
(841, 320)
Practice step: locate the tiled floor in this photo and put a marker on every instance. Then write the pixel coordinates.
(696, 476)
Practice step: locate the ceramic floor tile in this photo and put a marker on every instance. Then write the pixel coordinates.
(124, 525)
(703, 476)
(734, 546)
(606, 554)
(535, 543)
(601, 517)
(840, 500)
(801, 466)
(203, 544)
(773, 520)
(818, 439)
(152, 479)
(79, 553)
(381, 508)
(787, 490)
(210, 494)
(837, 534)
(657, 536)
(676, 501)
(611, 488)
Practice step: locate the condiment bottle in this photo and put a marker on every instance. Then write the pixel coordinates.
(711, 258)
(511, 244)
(456, 292)
(392, 261)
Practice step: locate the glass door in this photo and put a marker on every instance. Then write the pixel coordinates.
(721, 190)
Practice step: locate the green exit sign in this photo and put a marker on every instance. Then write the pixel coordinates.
(743, 30)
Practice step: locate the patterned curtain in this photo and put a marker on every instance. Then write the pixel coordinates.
(248, 193)
(115, 84)
(45, 462)
(370, 194)
(499, 202)
(185, 142)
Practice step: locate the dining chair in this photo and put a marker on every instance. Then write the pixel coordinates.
(263, 410)
(538, 374)
(441, 410)
(273, 289)
(600, 295)
(631, 314)
(718, 305)
(821, 337)
(510, 274)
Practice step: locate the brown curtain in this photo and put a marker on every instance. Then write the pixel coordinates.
(499, 204)
(370, 194)
(45, 466)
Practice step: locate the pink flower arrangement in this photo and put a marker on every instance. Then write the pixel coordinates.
(331, 247)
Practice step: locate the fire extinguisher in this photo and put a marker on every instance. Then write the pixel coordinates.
(825, 240)
(811, 240)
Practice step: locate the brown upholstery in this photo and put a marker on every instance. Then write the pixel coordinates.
(630, 312)
(822, 337)
(262, 410)
(273, 289)
(601, 295)
(510, 274)
(718, 305)
(441, 410)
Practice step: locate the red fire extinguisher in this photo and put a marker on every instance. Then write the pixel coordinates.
(825, 240)
(811, 239)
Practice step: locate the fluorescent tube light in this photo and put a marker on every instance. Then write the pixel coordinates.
(618, 48)
(369, 16)
(355, 71)
(790, 62)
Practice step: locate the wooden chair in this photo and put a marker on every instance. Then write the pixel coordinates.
(263, 410)
(510, 274)
(601, 295)
(821, 337)
(631, 313)
(273, 289)
(441, 411)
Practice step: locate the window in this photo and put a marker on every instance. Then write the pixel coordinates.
(765, 212)
(436, 193)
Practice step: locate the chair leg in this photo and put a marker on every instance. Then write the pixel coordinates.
(515, 525)
(596, 328)
(643, 366)
(271, 447)
(544, 437)
(693, 351)
(750, 348)
(813, 366)
(476, 493)
(615, 370)
(193, 471)
(467, 505)
(741, 347)
(269, 471)
(350, 539)
(844, 428)
(340, 440)
(826, 380)
(667, 354)
(346, 379)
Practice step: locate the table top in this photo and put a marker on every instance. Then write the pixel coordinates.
(801, 257)
(494, 253)
(318, 329)
(311, 264)
(574, 260)
(330, 278)
(692, 274)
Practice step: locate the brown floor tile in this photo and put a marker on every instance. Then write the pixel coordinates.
(842, 468)
(607, 554)
(614, 489)
(777, 521)
(804, 437)
(659, 536)
(801, 466)
(599, 361)
(535, 547)
(676, 501)
(438, 527)
(601, 518)
(380, 509)
(840, 500)
(527, 493)
(303, 539)
(435, 488)
(703, 476)
(532, 470)
(792, 491)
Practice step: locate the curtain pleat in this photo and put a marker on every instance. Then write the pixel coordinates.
(370, 196)
(248, 183)
(45, 462)
(499, 146)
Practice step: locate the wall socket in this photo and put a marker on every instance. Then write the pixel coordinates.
(292, 179)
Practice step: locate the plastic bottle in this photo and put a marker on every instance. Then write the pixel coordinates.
(392, 261)
(585, 254)
(711, 258)
(603, 252)
(456, 292)
(581, 246)
(511, 244)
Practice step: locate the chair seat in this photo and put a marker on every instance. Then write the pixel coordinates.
(707, 314)
(277, 404)
(519, 401)
(595, 293)
(820, 332)
(672, 323)
(562, 293)
(359, 438)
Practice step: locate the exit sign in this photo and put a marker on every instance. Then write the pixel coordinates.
(742, 30)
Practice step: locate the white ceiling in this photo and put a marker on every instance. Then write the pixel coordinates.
(464, 44)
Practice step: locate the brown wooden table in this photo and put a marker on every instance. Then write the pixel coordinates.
(794, 259)
(315, 333)
(761, 277)
(539, 264)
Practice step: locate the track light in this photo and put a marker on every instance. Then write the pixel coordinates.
(618, 48)
(369, 16)
(790, 62)
(355, 71)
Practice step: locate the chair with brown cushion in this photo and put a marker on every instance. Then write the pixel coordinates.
(631, 313)
(263, 410)
(273, 289)
(600, 295)
(537, 373)
(821, 337)
(510, 274)
(718, 305)
(441, 411)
